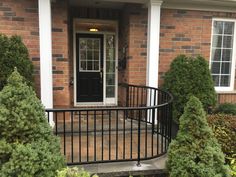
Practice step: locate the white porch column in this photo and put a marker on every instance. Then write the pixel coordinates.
(45, 37)
(154, 12)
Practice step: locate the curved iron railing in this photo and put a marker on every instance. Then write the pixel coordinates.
(139, 129)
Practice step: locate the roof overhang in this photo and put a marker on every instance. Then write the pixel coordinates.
(206, 5)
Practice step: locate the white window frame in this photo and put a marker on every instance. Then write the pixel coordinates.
(232, 74)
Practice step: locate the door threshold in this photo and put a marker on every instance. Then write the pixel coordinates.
(93, 104)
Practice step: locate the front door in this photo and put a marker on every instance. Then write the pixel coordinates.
(89, 59)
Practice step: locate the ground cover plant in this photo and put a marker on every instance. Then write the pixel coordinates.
(13, 53)
(27, 145)
(224, 129)
(195, 152)
(189, 77)
(74, 172)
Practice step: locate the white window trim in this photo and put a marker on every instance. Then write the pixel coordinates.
(232, 74)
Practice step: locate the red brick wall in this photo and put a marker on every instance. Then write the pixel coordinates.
(60, 45)
(135, 19)
(21, 18)
(189, 33)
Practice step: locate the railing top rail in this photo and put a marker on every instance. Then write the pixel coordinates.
(170, 100)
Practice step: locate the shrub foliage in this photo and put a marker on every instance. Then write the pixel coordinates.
(224, 129)
(74, 172)
(226, 108)
(189, 77)
(27, 146)
(13, 53)
(195, 151)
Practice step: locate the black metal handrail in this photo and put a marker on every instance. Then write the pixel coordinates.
(138, 129)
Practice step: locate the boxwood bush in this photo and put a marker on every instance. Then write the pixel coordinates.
(189, 77)
(195, 151)
(13, 53)
(27, 146)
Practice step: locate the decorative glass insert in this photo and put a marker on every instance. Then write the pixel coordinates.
(221, 53)
(110, 66)
(89, 54)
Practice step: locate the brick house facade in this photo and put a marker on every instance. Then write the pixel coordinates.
(183, 29)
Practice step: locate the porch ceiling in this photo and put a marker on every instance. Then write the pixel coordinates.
(198, 4)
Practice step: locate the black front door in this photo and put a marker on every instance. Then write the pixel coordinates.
(89, 59)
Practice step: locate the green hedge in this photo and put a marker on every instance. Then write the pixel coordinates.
(189, 77)
(226, 108)
(27, 146)
(195, 152)
(13, 53)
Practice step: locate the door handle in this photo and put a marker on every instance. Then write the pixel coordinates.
(101, 74)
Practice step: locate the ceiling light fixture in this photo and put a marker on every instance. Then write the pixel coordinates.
(93, 29)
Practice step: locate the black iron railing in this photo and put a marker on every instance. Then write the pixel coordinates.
(139, 129)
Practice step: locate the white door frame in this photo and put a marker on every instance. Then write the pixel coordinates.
(106, 101)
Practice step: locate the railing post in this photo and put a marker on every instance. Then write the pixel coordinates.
(139, 134)
(127, 101)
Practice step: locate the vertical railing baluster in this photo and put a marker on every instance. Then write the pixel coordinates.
(139, 134)
(109, 134)
(72, 137)
(125, 113)
(80, 136)
(56, 123)
(131, 135)
(117, 126)
(87, 134)
(95, 138)
(102, 133)
(64, 131)
(146, 131)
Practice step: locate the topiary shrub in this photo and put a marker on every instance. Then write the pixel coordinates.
(189, 77)
(74, 172)
(195, 151)
(27, 146)
(226, 108)
(13, 53)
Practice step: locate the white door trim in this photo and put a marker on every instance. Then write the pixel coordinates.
(106, 101)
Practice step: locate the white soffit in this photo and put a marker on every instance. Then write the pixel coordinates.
(206, 5)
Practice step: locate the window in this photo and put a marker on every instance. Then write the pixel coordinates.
(222, 56)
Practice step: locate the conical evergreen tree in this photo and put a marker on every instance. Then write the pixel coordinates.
(27, 145)
(195, 152)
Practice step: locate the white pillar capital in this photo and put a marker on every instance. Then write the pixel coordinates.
(155, 2)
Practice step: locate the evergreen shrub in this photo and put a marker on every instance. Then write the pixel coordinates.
(74, 172)
(226, 108)
(195, 152)
(189, 77)
(27, 146)
(13, 53)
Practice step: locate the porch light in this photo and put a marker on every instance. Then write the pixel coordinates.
(93, 29)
